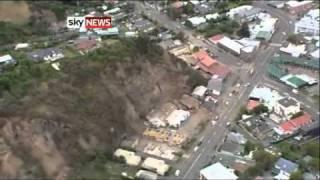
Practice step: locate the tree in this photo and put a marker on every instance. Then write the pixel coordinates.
(312, 149)
(181, 36)
(260, 109)
(296, 175)
(244, 30)
(174, 13)
(188, 9)
(315, 164)
(294, 39)
(196, 49)
(264, 160)
(248, 147)
(298, 114)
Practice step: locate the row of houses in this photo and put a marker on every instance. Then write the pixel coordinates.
(153, 167)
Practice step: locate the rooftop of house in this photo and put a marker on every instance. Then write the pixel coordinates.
(215, 84)
(286, 165)
(42, 53)
(287, 102)
(252, 104)
(217, 171)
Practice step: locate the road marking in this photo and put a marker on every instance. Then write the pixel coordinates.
(194, 162)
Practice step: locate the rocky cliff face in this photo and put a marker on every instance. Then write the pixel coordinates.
(93, 105)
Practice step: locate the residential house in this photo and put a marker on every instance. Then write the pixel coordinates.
(22, 46)
(236, 138)
(284, 168)
(130, 157)
(146, 175)
(215, 85)
(298, 7)
(203, 8)
(155, 165)
(144, 25)
(199, 92)
(217, 171)
(286, 107)
(6, 60)
(48, 54)
(86, 45)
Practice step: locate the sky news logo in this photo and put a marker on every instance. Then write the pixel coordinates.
(89, 22)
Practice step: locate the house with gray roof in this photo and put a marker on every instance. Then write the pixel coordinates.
(48, 54)
(284, 168)
(215, 86)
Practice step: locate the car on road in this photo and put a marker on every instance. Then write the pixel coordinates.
(177, 173)
(195, 148)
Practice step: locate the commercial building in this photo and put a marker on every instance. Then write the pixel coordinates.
(286, 107)
(265, 95)
(247, 16)
(238, 10)
(298, 7)
(155, 165)
(130, 157)
(309, 24)
(196, 21)
(292, 125)
(294, 81)
(217, 171)
(294, 50)
(177, 117)
(265, 29)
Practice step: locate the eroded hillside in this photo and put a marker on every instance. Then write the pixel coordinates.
(93, 103)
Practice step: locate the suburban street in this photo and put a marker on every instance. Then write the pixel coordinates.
(213, 136)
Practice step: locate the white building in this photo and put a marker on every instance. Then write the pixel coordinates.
(217, 171)
(199, 92)
(21, 46)
(240, 9)
(286, 107)
(309, 24)
(156, 165)
(231, 45)
(316, 54)
(265, 95)
(294, 50)
(130, 157)
(212, 16)
(177, 117)
(195, 21)
(7, 59)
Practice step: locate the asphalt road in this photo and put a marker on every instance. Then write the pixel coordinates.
(213, 136)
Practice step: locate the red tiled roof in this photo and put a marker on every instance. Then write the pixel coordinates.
(215, 39)
(296, 123)
(252, 104)
(86, 44)
(200, 54)
(302, 120)
(219, 69)
(211, 65)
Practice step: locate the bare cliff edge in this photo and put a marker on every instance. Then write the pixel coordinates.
(93, 105)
